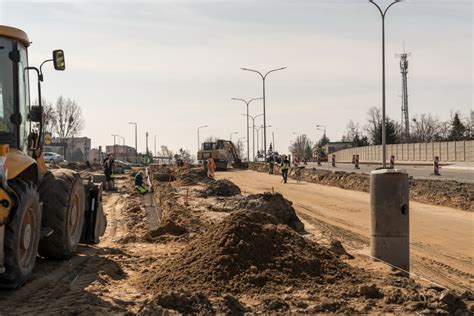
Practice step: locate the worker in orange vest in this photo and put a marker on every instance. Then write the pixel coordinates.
(211, 168)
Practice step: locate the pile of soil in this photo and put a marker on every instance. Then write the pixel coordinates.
(192, 176)
(273, 204)
(220, 188)
(248, 252)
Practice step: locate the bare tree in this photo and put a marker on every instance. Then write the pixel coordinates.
(239, 147)
(425, 128)
(68, 120)
(302, 147)
(165, 152)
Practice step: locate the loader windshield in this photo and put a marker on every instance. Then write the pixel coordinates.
(6, 87)
(14, 94)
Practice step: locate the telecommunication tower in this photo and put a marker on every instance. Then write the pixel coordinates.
(405, 122)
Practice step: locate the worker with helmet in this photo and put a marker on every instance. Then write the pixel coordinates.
(284, 167)
(139, 184)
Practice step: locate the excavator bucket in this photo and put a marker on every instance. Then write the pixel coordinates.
(95, 221)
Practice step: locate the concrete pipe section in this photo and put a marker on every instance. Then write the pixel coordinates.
(389, 204)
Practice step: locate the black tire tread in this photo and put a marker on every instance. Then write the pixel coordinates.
(55, 192)
(12, 278)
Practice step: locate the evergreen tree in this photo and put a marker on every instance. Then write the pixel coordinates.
(458, 130)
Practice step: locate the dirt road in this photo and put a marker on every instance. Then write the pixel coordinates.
(442, 239)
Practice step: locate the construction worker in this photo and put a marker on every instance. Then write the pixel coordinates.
(356, 161)
(271, 164)
(139, 184)
(285, 165)
(318, 157)
(436, 166)
(211, 167)
(108, 172)
(333, 160)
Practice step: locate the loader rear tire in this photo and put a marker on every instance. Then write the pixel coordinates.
(22, 235)
(62, 193)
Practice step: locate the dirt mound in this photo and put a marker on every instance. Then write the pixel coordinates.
(220, 188)
(248, 252)
(273, 204)
(192, 176)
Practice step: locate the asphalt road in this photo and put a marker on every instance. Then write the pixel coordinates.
(453, 172)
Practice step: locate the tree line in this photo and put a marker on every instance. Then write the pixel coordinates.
(424, 128)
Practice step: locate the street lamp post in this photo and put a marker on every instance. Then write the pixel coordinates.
(136, 141)
(247, 103)
(233, 133)
(115, 144)
(321, 127)
(123, 145)
(253, 132)
(384, 139)
(264, 77)
(199, 142)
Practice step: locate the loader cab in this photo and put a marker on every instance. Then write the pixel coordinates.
(14, 88)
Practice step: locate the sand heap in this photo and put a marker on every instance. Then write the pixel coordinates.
(273, 204)
(248, 252)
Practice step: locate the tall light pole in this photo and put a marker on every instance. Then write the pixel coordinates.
(115, 143)
(253, 132)
(199, 142)
(384, 139)
(136, 141)
(247, 103)
(258, 131)
(233, 133)
(122, 151)
(264, 77)
(321, 127)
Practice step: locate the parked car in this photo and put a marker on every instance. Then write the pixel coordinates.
(53, 157)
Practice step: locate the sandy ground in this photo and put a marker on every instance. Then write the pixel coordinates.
(441, 238)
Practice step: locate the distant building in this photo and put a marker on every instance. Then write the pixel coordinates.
(73, 148)
(121, 152)
(335, 146)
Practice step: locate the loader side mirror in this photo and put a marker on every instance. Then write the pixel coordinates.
(58, 60)
(35, 114)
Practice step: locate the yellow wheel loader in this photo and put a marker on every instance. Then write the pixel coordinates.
(41, 212)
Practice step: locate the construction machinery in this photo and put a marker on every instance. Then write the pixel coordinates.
(224, 154)
(41, 212)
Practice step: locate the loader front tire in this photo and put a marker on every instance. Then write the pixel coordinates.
(22, 235)
(62, 193)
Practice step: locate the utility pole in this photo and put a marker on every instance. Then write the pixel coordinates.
(384, 136)
(264, 77)
(404, 71)
(248, 140)
(146, 135)
(136, 141)
(273, 141)
(155, 145)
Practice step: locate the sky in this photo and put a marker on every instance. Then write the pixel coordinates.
(172, 66)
